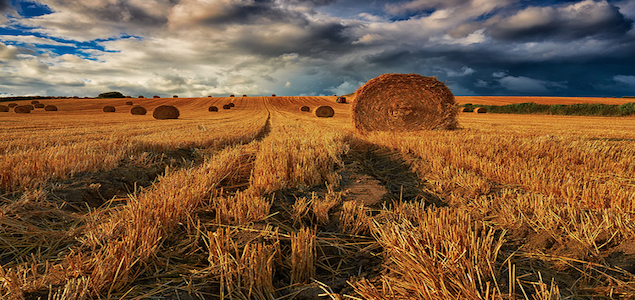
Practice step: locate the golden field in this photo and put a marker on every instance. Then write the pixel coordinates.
(263, 201)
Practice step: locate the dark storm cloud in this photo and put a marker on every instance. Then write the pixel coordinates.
(4, 4)
(575, 21)
(258, 11)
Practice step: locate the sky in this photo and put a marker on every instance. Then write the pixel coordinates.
(196, 48)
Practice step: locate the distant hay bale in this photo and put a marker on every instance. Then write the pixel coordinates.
(481, 110)
(231, 95)
(244, 95)
(324, 111)
(273, 95)
(4, 108)
(231, 104)
(38, 105)
(129, 103)
(212, 108)
(138, 110)
(35, 102)
(50, 108)
(155, 96)
(404, 102)
(175, 96)
(165, 112)
(128, 97)
(305, 108)
(227, 106)
(341, 99)
(22, 109)
(31, 107)
(109, 108)
(141, 97)
(12, 105)
(466, 109)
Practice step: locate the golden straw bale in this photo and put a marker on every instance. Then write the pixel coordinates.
(231, 104)
(50, 108)
(35, 102)
(141, 96)
(38, 105)
(138, 110)
(227, 106)
(244, 95)
(164, 112)
(22, 109)
(466, 109)
(324, 111)
(4, 108)
(231, 95)
(12, 105)
(212, 108)
(30, 106)
(481, 110)
(404, 102)
(305, 108)
(129, 103)
(109, 108)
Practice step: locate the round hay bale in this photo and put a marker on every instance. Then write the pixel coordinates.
(466, 109)
(404, 102)
(231, 95)
(141, 97)
(324, 111)
(165, 112)
(273, 95)
(30, 106)
(244, 95)
(38, 105)
(109, 108)
(129, 103)
(35, 102)
(231, 104)
(22, 109)
(138, 110)
(4, 108)
(50, 108)
(481, 110)
(12, 105)
(175, 96)
(226, 106)
(212, 108)
(155, 96)
(305, 108)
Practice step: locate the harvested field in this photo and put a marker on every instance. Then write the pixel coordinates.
(269, 202)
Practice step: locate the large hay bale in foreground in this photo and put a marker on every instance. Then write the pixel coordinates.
(481, 110)
(324, 111)
(22, 109)
(12, 105)
(129, 103)
(50, 108)
(109, 108)
(212, 108)
(227, 106)
(35, 102)
(305, 108)
(38, 105)
(4, 108)
(404, 102)
(138, 110)
(165, 112)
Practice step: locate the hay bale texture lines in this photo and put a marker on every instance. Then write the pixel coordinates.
(4, 108)
(212, 108)
(404, 102)
(165, 112)
(22, 109)
(305, 108)
(50, 108)
(109, 108)
(138, 110)
(324, 111)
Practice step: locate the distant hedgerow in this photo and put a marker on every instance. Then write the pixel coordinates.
(111, 95)
(580, 109)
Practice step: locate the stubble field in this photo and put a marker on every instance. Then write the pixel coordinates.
(264, 201)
